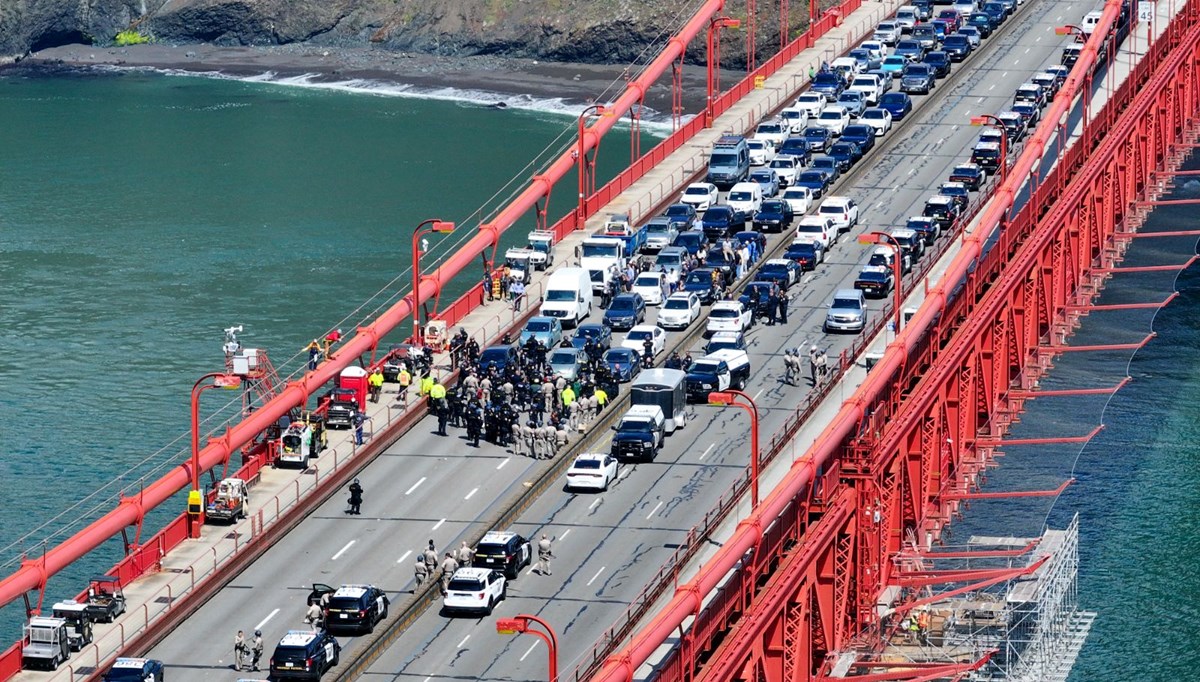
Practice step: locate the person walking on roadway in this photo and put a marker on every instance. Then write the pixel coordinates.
(545, 553)
(256, 650)
(420, 571)
(313, 616)
(240, 650)
(465, 554)
(430, 556)
(449, 566)
(791, 369)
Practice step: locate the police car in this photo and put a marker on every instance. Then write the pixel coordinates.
(305, 655)
(356, 607)
(475, 590)
(503, 551)
(135, 670)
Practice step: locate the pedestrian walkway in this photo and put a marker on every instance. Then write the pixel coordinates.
(276, 492)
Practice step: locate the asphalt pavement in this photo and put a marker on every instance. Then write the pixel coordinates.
(431, 487)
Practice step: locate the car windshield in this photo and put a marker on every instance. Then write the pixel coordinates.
(586, 464)
(740, 195)
(619, 355)
(677, 304)
(696, 191)
(770, 128)
(647, 280)
(589, 330)
(698, 278)
(636, 425)
(538, 326)
(772, 207)
(761, 176)
(826, 79)
(658, 227)
(783, 163)
(917, 70)
(846, 303)
(812, 176)
(874, 113)
(638, 335)
(723, 159)
(622, 304)
(810, 98)
(832, 209)
(465, 585)
(803, 248)
(723, 312)
(679, 211)
(688, 238)
(892, 98)
(493, 355)
(563, 357)
(830, 116)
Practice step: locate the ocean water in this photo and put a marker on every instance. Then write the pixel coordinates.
(141, 214)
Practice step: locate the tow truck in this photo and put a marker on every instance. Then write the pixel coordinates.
(79, 625)
(541, 243)
(229, 504)
(45, 643)
(106, 600)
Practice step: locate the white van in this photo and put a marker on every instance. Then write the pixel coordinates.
(568, 296)
(745, 197)
(1090, 20)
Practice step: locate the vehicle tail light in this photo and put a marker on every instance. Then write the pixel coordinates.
(479, 596)
(307, 663)
(362, 613)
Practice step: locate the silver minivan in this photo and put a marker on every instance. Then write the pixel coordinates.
(847, 312)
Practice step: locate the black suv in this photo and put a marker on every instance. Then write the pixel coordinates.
(503, 551)
(304, 655)
(356, 608)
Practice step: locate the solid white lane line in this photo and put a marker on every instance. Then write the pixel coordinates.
(340, 553)
(655, 510)
(597, 575)
(401, 559)
(464, 641)
(760, 392)
(707, 450)
(624, 473)
(501, 464)
(594, 503)
(471, 494)
(565, 534)
(531, 648)
(438, 524)
(264, 620)
(415, 486)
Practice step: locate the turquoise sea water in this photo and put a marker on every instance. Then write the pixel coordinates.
(140, 215)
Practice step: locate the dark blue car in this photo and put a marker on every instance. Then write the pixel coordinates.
(939, 61)
(600, 333)
(897, 104)
(624, 363)
(818, 138)
(986, 23)
(847, 153)
(625, 311)
(860, 134)
(719, 221)
(700, 282)
(816, 181)
(796, 147)
(828, 165)
(692, 241)
(682, 216)
(829, 84)
(957, 47)
(775, 215)
(805, 254)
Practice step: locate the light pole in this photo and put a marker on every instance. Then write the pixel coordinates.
(897, 272)
(729, 399)
(433, 225)
(714, 50)
(1081, 36)
(224, 380)
(586, 181)
(994, 122)
(519, 625)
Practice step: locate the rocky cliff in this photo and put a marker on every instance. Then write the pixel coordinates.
(593, 31)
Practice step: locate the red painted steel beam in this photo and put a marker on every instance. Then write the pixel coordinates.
(1146, 268)
(1003, 442)
(923, 671)
(1127, 306)
(687, 601)
(972, 554)
(996, 580)
(1022, 394)
(1010, 493)
(1169, 202)
(1150, 235)
(33, 575)
(1100, 346)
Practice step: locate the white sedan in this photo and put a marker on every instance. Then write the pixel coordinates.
(679, 311)
(474, 590)
(877, 118)
(729, 316)
(812, 102)
(651, 285)
(700, 194)
(592, 471)
(636, 338)
(761, 152)
(835, 118)
(799, 198)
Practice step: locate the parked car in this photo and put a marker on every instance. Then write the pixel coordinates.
(957, 47)
(878, 118)
(761, 152)
(600, 334)
(775, 215)
(835, 119)
(818, 138)
(592, 471)
(567, 363)
(939, 62)
(806, 254)
(547, 331)
(828, 165)
(623, 363)
(637, 337)
(847, 153)
(475, 590)
(853, 101)
(917, 78)
(816, 181)
(970, 174)
(799, 198)
(819, 229)
(887, 32)
(679, 311)
(898, 104)
(625, 311)
(700, 282)
(786, 167)
(795, 147)
(862, 135)
(910, 49)
(651, 285)
(847, 312)
(767, 179)
(812, 102)
(841, 211)
(700, 194)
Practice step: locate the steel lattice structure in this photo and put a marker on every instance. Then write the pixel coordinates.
(800, 579)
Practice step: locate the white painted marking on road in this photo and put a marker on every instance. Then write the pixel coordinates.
(912, 171)
(471, 494)
(980, 100)
(401, 559)
(992, 86)
(264, 620)
(594, 503)
(340, 553)
(415, 486)
(1058, 18)
(955, 126)
(438, 524)
(1004, 75)
(501, 464)
(939, 142)
(760, 391)
(1028, 49)
(597, 575)
(655, 510)
(531, 648)
(707, 450)
(880, 204)
(624, 473)
(464, 641)
(565, 534)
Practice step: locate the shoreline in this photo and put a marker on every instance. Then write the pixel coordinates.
(490, 79)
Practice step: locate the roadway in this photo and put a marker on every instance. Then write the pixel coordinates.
(426, 486)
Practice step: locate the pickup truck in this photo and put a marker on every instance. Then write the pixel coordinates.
(620, 227)
(640, 433)
(660, 232)
(718, 371)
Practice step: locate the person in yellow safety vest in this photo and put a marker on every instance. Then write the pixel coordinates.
(404, 378)
(426, 384)
(601, 398)
(375, 381)
(568, 396)
(437, 391)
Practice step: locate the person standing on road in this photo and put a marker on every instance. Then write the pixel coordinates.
(822, 362)
(449, 566)
(465, 554)
(430, 556)
(545, 553)
(420, 572)
(256, 650)
(789, 366)
(375, 382)
(240, 650)
(313, 617)
(783, 305)
(356, 493)
(813, 353)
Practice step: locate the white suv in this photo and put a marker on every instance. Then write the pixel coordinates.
(475, 590)
(843, 211)
(819, 229)
(728, 316)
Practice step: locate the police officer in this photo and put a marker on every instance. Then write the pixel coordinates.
(545, 553)
(560, 438)
(420, 571)
(813, 363)
(356, 492)
(772, 306)
(474, 423)
(431, 558)
(789, 367)
(783, 305)
(360, 418)
(449, 566)
(256, 650)
(465, 554)
(313, 617)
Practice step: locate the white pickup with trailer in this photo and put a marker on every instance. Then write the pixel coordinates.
(666, 388)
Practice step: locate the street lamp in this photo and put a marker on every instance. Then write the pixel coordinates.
(897, 272)
(195, 504)
(519, 625)
(729, 399)
(714, 49)
(1071, 29)
(994, 122)
(434, 225)
(586, 179)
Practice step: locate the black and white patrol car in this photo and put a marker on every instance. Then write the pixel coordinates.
(503, 551)
(356, 607)
(304, 655)
(135, 670)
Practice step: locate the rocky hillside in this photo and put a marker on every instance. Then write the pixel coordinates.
(592, 31)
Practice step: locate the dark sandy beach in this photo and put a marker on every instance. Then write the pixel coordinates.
(504, 77)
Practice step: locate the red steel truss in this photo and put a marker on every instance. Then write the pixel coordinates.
(799, 579)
